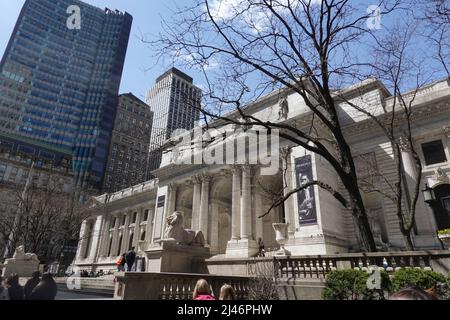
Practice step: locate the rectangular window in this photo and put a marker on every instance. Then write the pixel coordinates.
(434, 152)
(145, 215)
(134, 217)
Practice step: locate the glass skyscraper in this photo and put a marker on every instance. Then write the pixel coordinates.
(59, 85)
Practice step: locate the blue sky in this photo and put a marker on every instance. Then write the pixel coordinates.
(140, 70)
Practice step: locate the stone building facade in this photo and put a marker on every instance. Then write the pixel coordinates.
(226, 201)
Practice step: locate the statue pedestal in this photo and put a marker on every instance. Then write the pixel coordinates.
(24, 268)
(168, 256)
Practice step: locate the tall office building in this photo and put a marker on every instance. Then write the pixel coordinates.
(127, 160)
(175, 101)
(59, 85)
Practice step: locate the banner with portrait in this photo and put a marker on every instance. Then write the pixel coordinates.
(306, 199)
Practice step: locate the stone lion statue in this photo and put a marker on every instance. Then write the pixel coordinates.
(175, 232)
(20, 254)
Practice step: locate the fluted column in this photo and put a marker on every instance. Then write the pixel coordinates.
(137, 228)
(82, 241)
(149, 227)
(196, 203)
(115, 241)
(126, 232)
(105, 237)
(204, 206)
(246, 210)
(289, 205)
(236, 204)
(171, 205)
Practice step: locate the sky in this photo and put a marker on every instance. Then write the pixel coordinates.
(141, 68)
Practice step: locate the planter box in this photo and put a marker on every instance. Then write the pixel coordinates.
(445, 238)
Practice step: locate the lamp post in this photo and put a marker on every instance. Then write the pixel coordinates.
(428, 194)
(429, 197)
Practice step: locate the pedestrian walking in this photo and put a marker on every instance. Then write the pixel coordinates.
(15, 290)
(3, 291)
(121, 263)
(46, 289)
(130, 258)
(31, 284)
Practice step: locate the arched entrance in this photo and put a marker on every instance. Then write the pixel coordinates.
(441, 207)
(184, 204)
(220, 232)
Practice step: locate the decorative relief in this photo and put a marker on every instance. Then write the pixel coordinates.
(441, 176)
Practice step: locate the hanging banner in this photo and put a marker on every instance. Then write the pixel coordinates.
(159, 216)
(306, 200)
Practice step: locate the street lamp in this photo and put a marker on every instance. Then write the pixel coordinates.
(428, 194)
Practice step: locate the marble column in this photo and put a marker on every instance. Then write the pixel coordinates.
(82, 242)
(137, 228)
(246, 209)
(214, 227)
(288, 185)
(258, 211)
(196, 203)
(126, 232)
(103, 246)
(236, 204)
(204, 207)
(96, 237)
(172, 201)
(115, 242)
(149, 227)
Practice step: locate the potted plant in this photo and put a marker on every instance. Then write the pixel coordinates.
(444, 236)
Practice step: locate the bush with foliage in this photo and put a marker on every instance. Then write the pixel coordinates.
(424, 279)
(351, 284)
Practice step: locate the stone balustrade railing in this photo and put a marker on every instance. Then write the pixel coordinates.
(172, 286)
(319, 266)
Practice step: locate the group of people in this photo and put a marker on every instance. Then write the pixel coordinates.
(202, 291)
(36, 288)
(127, 258)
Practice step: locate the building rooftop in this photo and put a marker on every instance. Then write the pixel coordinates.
(176, 72)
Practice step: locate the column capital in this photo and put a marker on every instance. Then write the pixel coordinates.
(206, 178)
(235, 169)
(172, 187)
(197, 179)
(403, 143)
(446, 130)
(248, 169)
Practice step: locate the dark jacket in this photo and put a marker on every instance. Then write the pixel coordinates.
(29, 286)
(130, 256)
(15, 292)
(45, 290)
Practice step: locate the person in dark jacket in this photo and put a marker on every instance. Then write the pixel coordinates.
(15, 290)
(46, 289)
(130, 257)
(31, 284)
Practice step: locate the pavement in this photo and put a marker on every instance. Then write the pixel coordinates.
(70, 295)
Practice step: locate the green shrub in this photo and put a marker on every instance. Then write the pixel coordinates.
(424, 279)
(352, 285)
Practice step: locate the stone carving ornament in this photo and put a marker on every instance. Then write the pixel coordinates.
(20, 254)
(283, 108)
(175, 232)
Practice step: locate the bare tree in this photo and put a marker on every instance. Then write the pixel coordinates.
(299, 46)
(49, 220)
